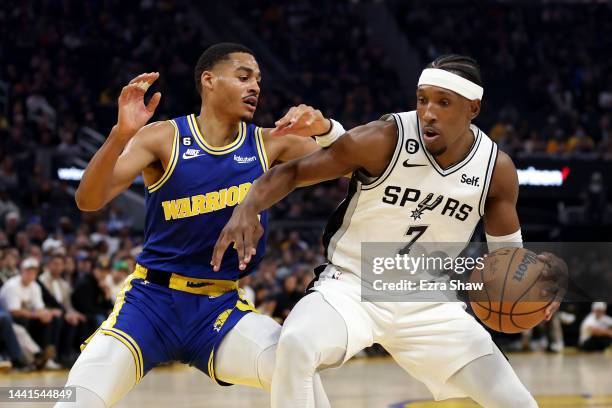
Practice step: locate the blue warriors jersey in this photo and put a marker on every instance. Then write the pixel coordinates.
(187, 208)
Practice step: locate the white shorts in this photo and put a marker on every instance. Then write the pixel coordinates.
(431, 341)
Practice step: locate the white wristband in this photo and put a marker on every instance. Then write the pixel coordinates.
(511, 240)
(330, 137)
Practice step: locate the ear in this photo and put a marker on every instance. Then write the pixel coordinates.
(207, 80)
(474, 109)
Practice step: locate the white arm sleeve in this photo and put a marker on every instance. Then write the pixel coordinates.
(511, 240)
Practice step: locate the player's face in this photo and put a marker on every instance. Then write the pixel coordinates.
(444, 115)
(236, 85)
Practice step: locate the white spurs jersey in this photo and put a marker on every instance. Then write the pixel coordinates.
(414, 200)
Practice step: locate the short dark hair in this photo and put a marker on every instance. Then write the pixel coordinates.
(57, 254)
(213, 55)
(465, 67)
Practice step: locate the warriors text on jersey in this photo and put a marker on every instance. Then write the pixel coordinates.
(414, 200)
(194, 199)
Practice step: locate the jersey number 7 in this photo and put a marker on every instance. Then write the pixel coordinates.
(417, 231)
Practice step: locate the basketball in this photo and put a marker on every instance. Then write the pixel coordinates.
(510, 300)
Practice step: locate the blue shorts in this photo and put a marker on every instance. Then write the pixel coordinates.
(160, 324)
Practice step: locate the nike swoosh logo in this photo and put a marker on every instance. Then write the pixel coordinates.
(406, 164)
(186, 157)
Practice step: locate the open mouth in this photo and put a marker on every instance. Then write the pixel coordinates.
(251, 101)
(430, 134)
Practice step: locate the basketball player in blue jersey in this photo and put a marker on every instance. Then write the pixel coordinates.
(399, 164)
(196, 169)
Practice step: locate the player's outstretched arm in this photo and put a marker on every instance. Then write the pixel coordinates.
(367, 147)
(114, 167)
(291, 138)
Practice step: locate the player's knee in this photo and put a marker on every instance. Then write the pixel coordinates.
(265, 367)
(294, 347)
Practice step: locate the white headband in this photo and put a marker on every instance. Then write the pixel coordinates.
(452, 82)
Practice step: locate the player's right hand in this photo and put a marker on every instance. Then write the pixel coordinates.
(243, 230)
(133, 113)
(555, 272)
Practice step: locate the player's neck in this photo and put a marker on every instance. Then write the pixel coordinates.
(457, 151)
(217, 130)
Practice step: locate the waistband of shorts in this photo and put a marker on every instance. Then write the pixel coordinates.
(208, 287)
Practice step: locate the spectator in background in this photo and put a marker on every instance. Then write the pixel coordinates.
(8, 177)
(8, 265)
(92, 296)
(67, 148)
(12, 220)
(596, 329)
(83, 267)
(70, 271)
(286, 265)
(264, 299)
(61, 292)
(294, 243)
(580, 142)
(53, 244)
(8, 341)
(556, 144)
(117, 276)
(287, 298)
(534, 143)
(246, 284)
(6, 204)
(131, 262)
(595, 198)
(22, 297)
(551, 332)
(102, 235)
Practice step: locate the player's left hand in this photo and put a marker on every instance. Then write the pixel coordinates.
(243, 230)
(302, 120)
(555, 272)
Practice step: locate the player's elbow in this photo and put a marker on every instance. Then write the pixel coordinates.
(85, 202)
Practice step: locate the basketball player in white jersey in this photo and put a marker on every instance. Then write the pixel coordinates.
(430, 167)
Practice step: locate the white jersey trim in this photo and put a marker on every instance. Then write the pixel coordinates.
(488, 177)
(346, 219)
(370, 183)
(456, 166)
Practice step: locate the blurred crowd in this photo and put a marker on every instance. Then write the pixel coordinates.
(547, 92)
(57, 286)
(334, 63)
